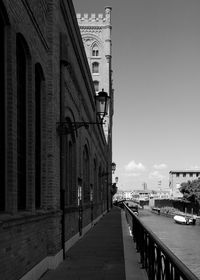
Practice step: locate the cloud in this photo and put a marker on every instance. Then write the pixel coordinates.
(132, 174)
(133, 166)
(155, 175)
(160, 166)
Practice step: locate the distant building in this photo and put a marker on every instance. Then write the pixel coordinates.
(142, 194)
(144, 186)
(120, 195)
(177, 177)
(163, 194)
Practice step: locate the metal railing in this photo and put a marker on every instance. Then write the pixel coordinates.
(160, 263)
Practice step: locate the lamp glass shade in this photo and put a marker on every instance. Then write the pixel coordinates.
(113, 166)
(102, 103)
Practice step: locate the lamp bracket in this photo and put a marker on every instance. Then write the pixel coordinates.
(67, 127)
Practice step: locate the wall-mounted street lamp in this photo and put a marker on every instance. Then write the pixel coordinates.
(101, 101)
(113, 167)
(113, 189)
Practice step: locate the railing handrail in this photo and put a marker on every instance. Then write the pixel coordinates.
(184, 270)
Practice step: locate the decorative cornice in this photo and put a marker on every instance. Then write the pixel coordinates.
(90, 29)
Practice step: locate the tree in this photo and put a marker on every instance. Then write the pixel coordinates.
(191, 190)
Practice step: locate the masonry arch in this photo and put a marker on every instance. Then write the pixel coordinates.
(23, 68)
(92, 41)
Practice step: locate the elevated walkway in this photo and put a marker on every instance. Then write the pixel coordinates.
(106, 252)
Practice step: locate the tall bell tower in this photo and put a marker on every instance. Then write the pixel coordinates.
(96, 35)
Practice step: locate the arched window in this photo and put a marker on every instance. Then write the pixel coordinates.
(21, 51)
(2, 113)
(99, 191)
(69, 165)
(95, 180)
(96, 85)
(95, 50)
(95, 67)
(72, 172)
(86, 182)
(39, 80)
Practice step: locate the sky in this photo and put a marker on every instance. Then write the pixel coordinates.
(156, 80)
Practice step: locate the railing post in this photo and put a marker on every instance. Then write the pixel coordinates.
(151, 259)
(158, 263)
(167, 270)
(133, 229)
(142, 248)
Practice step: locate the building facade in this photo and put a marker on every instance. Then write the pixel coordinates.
(54, 183)
(176, 177)
(96, 32)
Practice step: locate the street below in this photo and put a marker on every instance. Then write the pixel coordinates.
(182, 240)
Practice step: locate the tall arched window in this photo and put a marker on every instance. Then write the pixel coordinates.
(96, 85)
(2, 112)
(39, 79)
(70, 169)
(95, 67)
(86, 181)
(95, 180)
(21, 52)
(72, 172)
(95, 50)
(99, 191)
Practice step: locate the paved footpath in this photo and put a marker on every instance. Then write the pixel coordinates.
(101, 254)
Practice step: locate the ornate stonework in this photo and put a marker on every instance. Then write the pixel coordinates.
(88, 41)
(91, 29)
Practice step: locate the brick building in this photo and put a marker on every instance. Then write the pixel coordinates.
(176, 177)
(54, 179)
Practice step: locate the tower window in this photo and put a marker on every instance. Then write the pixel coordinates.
(95, 51)
(95, 67)
(96, 86)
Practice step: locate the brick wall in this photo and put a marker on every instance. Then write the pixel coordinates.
(28, 237)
